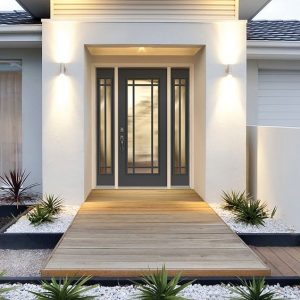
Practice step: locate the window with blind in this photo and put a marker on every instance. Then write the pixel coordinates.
(10, 116)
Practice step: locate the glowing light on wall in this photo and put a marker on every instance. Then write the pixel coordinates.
(229, 104)
(62, 47)
(62, 106)
(230, 95)
(63, 41)
(229, 43)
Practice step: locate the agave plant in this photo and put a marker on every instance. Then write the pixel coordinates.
(65, 290)
(254, 290)
(233, 200)
(252, 212)
(52, 204)
(156, 286)
(39, 215)
(16, 190)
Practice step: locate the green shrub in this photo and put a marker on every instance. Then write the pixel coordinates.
(233, 200)
(252, 212)
(254, 290)
(52, 204)
(246, 209)
(64, 290)
(39, 215)
(16, 190)
(156, 286)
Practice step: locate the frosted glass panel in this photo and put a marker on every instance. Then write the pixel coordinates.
(105, 91)
(180, 154)
(142, 126)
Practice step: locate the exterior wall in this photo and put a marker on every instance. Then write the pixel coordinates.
(145, 11)
(31, 110)
(199, 121)
(88, 159)
(65, 98)
(273, 166)
(278, 170)
(279, 98)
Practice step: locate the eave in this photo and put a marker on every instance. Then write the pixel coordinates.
(20, 36)
(273, 50)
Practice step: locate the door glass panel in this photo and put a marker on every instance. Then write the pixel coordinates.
(180, 140)
(142, 126)
(130, 127)
(105, 126)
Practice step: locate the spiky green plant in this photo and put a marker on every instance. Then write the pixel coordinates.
(253, 212)
(157, 286)
(52, 203)
(4, 290)
(256, 289)
(16, 190)
(233, 200)
(39, 215)
(65, 290)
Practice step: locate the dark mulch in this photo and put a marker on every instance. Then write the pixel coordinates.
(5, 220)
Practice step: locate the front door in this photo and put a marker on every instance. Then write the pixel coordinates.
(142, 127)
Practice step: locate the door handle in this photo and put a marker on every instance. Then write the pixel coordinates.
(122, 143)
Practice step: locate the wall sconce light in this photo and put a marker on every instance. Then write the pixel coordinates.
(62, 68)
(228, 69)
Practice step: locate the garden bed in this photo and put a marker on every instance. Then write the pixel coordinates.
(60, 223)
(194, 292)
(272, 225)
(9, 214)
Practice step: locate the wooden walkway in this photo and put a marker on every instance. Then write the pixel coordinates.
(283, 261)
(122, 233)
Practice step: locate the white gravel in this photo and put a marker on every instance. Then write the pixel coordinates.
(195, 292)
(60, 223)
(271, 225)
(21, 263)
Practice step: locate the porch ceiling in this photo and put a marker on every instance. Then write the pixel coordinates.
(143, 51)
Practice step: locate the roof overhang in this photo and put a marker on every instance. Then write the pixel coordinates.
(21, 36)
(273, 50)
(250, 8)
(41, 8)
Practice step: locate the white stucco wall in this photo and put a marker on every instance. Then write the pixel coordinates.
(199, 150)
(278, 170)
(31, 109)
(273, 151)
(65, 98)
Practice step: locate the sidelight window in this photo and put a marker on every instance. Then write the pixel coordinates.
(180, 125)
(105, 103)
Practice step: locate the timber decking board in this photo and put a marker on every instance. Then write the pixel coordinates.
(283, 261)
(127, 232)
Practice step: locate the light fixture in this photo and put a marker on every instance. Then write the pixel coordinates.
(141, 50)
(62, 68)
(228, 69)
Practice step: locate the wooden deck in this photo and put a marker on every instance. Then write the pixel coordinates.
(283, 261)
(122, 233)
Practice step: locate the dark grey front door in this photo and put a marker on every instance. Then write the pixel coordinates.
(142, 127)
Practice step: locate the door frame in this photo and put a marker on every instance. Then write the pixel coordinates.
(93, 114)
